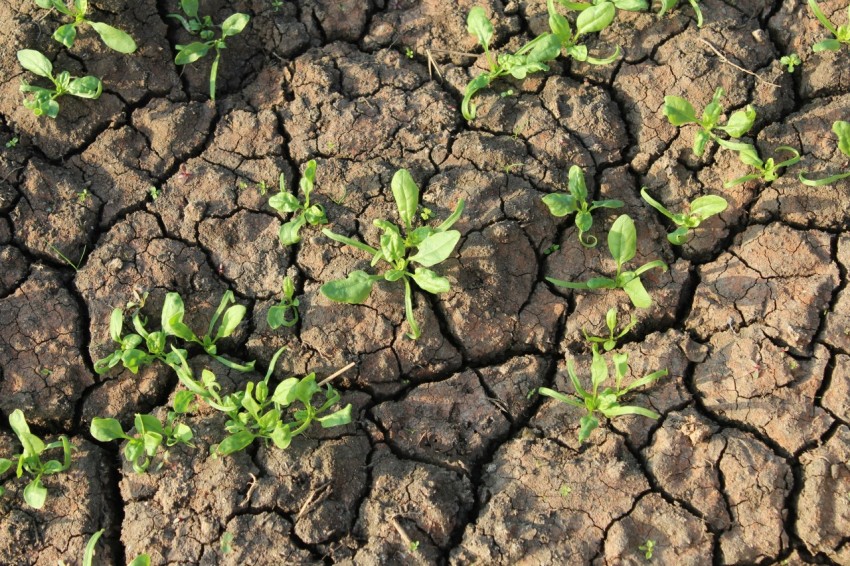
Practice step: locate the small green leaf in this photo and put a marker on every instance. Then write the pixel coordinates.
(479, 26)
(114, 38)
(740, 122)
(66, 35)
(234, 24)
(637, 293)
(577, 185)
(406, 195)
(337, 418)
(594, 19)
(588, 424)
(559, 25)
(190, 7)
(354, 289)
(35, 63)
(231, 319)
(32, 445)
(141, 560)
(708, 205)
(467, 108)
(415, 332)
(436, 248)
(560, 204)
(826, 45)
(430, 281)
(315, 214)
(106, 430)
(284, 202)
(282, 436)
(35, 494)
(235, 442)
(679, 111)
(842, 130)
(88, 553)
(622, 239)
(190, 53)
(86, 87)
(116, 323)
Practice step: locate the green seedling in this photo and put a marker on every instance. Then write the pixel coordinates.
(43, 100)
(143, 347)
(150, 434)
(154, 192)
(113, 37)
(647, 548)
(89, 553)
(190, 53)
(561, 204)
(610, 342)
(551, 249)
(303, 213)
(75, 265)
(607, 401)
(841, 34)
(432, 245)
(765, 170)
(842, 131)
(627, 5)
(694, 214)
(226, 542)
(413, 547)
(284, 313)
(29, 460)
(12, 143)
(622, 242)
(671, 4)
(790, 62)
(680, 112)
(257, 412)
(533, 56)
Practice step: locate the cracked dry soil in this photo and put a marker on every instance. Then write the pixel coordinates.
(748, 463)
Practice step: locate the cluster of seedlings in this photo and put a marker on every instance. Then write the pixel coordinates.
(275, 412)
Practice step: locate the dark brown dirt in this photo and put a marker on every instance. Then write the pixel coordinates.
(448, 460)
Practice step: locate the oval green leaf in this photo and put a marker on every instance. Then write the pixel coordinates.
(596, 18)
(436, 248)
(430, 281)
(235, 442)
(234, 24)
(622, 239)
(35, 62)
(114, 38)
(406, 195)
(354, 289)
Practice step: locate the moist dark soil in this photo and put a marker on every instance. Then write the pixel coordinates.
(448, 460)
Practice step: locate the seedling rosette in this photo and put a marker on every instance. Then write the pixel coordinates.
(29, 460)
(696, 212)
(432, 246)
(607, 401)
(562, 204)
(622, 242)
(43, 100)
(681, 112)
(113, 37)
(303, 213)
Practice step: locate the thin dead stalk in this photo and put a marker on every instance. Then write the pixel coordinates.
(726, 60)
(332, 376)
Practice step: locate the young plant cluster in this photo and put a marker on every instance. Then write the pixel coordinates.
(400, 247)
(206, 31)
(29, 460)
(42, 101)
(303, 212)
(252, 413)
(681, 112)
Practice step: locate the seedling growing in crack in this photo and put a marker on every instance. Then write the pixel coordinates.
(143, 347)
(842, 130)
(432, 245)
(561, 204)
(113, 37)
(533, 56)
(89, 553)
(304, 213)
(790, 62)
(190, 53)
(610, 342)
(841, 34)
(695, 213)
(257, 412)
(284, 313)
(29, 460)
(680, 112)
(671, 4)
(43, 100)
(622, 242)
(150, 433)
(766, 170)
(647, 548)
(607, 401)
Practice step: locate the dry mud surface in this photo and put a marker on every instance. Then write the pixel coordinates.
(748, 463)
